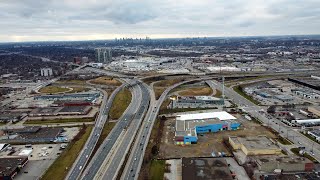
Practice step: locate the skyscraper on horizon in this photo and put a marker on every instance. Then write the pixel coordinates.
(103, 55)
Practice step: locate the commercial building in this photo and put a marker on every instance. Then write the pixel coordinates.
(284, 163)
(314, 110)
(9, 167)
(56, 111)
(205, 168)
(189, 125)
(103, 55)
(32, 134)
(46, 72)
(196, 102)
(76, 96)
(260, 145)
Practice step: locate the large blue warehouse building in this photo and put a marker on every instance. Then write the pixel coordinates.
(188, 126)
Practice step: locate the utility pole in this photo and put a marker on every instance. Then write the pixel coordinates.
(223, 87)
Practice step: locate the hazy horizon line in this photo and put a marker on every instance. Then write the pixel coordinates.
(160, 38)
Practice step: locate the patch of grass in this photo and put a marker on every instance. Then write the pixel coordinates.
(2, 123)
(283, 141)
(74, 81)
(239, 90)
(196, 91)
(168, 82)
(310, 137)
(160, 86)
(157, 169)
(158, 91)
(218, 94)
(60, 121)
(120, 104)
(306, 155)
(151, 151)
(284, 152)
(63, 163)
(79, 89)
(53, 89)
(106, 81)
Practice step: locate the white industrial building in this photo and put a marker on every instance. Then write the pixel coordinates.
(222, 115)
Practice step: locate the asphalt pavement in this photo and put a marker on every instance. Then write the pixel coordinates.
(118, 159)
(122, 125)
(86, 152)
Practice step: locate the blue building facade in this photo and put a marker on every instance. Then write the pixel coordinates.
(190, 139)
(200, 129)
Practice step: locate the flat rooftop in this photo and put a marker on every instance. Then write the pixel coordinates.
(257, 142)
(283, 159)
(9, 165)
(222, 115)
(205, 168)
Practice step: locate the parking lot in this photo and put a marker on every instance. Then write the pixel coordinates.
(40, 159)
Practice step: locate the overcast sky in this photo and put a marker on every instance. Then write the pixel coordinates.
(33, 20)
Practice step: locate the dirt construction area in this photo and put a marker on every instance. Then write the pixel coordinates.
(209, 142)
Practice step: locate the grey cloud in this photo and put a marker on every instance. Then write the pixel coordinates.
(58, 18)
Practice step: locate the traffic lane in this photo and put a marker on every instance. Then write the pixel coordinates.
(76, 171)
(139, 152)
(111, 171)
(106, 149)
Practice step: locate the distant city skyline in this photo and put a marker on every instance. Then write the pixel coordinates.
(63, 20)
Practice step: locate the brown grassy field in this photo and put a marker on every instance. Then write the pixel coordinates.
(53, 89)
(106, 81)
(196, 91)
(120, 104)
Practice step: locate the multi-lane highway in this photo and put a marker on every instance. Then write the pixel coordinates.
(107, 148)
(83, 157)
(134, 162)
(115, 163)
(284, 130)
